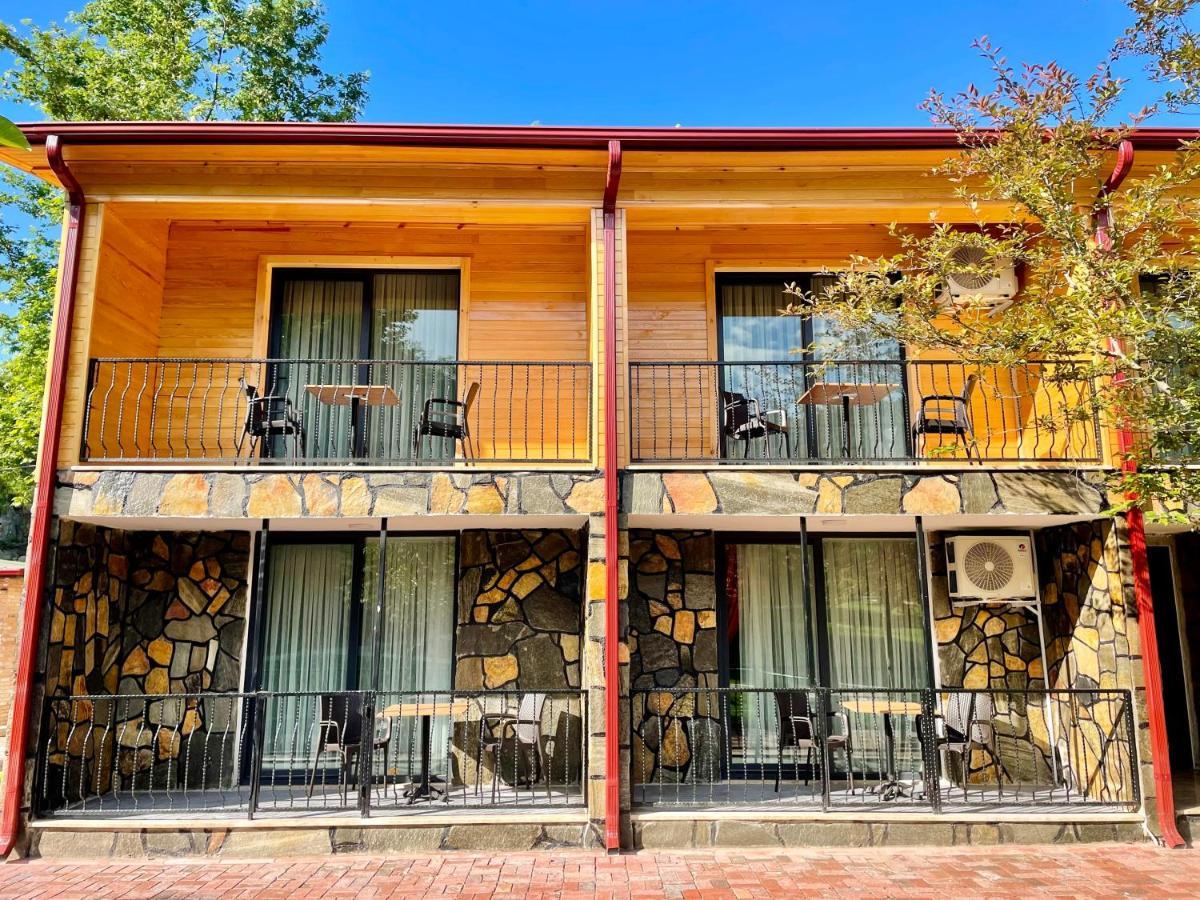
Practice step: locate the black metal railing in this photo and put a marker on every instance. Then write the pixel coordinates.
(290, 411)
(875, 412)
(268, 753)
(851, 749)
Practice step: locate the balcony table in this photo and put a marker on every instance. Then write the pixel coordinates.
(356, 396)
(890, 787)
(425, 789)
(846, 394)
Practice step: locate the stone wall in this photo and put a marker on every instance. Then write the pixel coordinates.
(1093, 643)
(519, 610)
(673, 645)
(519, 629)
(11, 583)
(135, 612)
(1087, 648)
(789, 493)
(256, 494)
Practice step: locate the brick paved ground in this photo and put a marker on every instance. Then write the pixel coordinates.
(1095, 870)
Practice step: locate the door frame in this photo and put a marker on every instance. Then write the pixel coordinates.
(723, 274)
(1185, 656)
(269, 263)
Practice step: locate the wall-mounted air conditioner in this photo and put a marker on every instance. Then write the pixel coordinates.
(990, 568)
(972, 287)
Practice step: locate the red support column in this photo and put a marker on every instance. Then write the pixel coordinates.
(1139, 562)
(43, 500)
(612, 600)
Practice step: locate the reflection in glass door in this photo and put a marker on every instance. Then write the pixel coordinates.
(781, 367)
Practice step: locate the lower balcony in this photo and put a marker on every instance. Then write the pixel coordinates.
(298, 755)
(879, 750)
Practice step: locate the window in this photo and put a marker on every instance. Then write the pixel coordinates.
(826, 395)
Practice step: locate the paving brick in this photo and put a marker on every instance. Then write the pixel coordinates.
(1092, 870)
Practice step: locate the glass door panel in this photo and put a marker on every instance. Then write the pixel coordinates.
(414, 319)
(309, 620)
(770, 643)
(875, 634)
(319, 329)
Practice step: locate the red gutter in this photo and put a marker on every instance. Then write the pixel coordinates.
(1136, 525)
(595, 138)
(612, 546)
(43, 501)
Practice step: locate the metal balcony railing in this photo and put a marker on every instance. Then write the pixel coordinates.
(309, 411)
(862, 412)
(354, 752)
(844, 749)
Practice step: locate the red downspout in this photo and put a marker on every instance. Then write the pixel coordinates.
(1135, 522)
(612, 572)
(43, 500)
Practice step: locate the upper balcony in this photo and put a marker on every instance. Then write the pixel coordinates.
(864, 412)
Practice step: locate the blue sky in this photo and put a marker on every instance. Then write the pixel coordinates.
(691, 63)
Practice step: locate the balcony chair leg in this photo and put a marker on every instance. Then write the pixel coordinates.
(808, 765)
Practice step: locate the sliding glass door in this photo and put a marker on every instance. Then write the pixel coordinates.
(836, 395)
(351, 327)
(862, 630)
(320, 629)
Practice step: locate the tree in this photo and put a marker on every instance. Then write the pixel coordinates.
(136, 60)
(1041, 142)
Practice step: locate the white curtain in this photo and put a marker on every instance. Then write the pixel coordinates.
(773, 640)
(319, 319)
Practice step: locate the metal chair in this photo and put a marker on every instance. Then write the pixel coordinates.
(267, 417)
(445, 418)
(948, 414)
(797, 732)
(966, 722)
(343, 736)
(742, 419)
(524, 730)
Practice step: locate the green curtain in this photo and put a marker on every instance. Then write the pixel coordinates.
(321, 320)
(414, 318)
(417, 641)
(873, 607)
(876, 632)
(418, 614)
(306, 636)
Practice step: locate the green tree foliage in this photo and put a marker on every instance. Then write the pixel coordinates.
(257, 60)
(1040, 142)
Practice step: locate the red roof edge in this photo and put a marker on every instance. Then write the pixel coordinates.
(589, 137)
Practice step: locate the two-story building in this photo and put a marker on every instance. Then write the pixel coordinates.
(413, 487)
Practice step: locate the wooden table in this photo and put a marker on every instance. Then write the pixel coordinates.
(846, 394)
(890, 787)
(356, 396)
(424, 789)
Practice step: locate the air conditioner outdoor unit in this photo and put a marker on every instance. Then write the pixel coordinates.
(990, 569)
(969, 288)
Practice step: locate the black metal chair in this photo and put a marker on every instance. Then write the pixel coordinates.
(445, 418)
(524, 731)
(338, 730)
(268, 417)
(797, 732)
(742, 419)
(948, 414)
